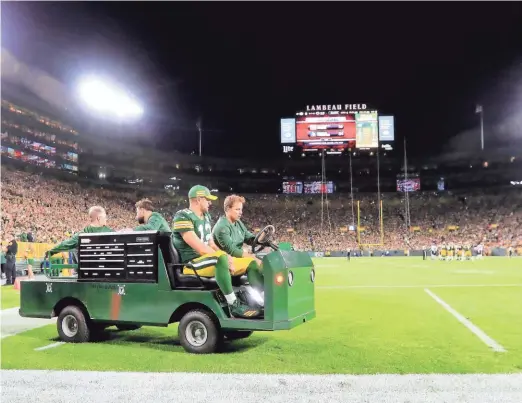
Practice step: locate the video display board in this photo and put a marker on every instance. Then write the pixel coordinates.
(292, 187)
(367, 130)
(408, 185)
(35, 139)
(318, 187)
(329, 131)
(9, 152)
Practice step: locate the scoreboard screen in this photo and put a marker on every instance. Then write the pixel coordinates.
(367, 130)
(318, 187)
(329, 131)
(292, 187)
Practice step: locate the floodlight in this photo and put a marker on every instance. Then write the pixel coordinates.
(105, 98)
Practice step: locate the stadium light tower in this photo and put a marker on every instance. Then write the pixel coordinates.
(105, 98)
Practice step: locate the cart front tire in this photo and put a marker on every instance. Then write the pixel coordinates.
(72, 325)
(199, 332)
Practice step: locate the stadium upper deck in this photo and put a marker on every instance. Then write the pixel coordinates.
(123, 162)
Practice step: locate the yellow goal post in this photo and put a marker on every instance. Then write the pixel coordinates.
(381, 227)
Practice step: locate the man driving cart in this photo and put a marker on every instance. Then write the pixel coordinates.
(192, 237)
(230, 234)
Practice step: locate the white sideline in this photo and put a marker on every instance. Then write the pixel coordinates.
(49, 346)
(97, 387)
(474, 329)
(343, 287)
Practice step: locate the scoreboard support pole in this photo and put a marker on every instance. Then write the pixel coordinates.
(358, 223)
(382, 225)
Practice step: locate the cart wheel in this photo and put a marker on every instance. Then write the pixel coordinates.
(237, 334)
(127, 327)
(199, 333)
(72, 325)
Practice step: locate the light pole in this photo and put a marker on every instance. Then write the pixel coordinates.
(480, 111)
(198, 125)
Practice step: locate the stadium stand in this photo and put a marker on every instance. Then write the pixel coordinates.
(51, 209)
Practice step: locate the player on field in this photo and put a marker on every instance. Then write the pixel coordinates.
(434, 251)
(192, 237)
(444, 252)
(459, 253)
(451, 250)
(468, 252)
(480, 251)
(230, 234)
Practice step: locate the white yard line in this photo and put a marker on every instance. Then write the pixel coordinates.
(343, 287)
(9, 310)
(474, 329)
(49, 346)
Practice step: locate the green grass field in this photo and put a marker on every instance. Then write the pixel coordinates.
(10, 297)
(373, 316)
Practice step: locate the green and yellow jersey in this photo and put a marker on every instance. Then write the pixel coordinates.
(186, 220)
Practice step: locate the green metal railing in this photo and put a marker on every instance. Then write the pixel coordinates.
(54, 270)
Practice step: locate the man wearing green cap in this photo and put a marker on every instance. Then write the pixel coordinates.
(192, 237)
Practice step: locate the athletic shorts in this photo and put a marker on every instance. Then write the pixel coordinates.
(206, 265)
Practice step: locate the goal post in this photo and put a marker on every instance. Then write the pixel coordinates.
(381, 226)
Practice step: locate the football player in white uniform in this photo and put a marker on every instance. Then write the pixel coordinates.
(434, 249)
(480, 251)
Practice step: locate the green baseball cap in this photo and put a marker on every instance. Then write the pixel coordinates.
(201, 191)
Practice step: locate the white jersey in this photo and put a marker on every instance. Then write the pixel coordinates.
(480, 249)
(434, 249)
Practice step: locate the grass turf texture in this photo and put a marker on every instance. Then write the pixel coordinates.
(358, 330)
(10, 297)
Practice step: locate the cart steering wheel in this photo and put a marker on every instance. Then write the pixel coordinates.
(263, 239)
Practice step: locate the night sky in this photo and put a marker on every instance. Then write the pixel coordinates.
(242, 66)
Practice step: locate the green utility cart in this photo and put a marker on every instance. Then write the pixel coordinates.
(134, 279)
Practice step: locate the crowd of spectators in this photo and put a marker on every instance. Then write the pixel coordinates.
(43, 209)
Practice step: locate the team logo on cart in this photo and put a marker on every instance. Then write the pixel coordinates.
(49, 287)
(121, 290)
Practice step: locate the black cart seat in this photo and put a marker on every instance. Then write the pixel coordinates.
(180, 280)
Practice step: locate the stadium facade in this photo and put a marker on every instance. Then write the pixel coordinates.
(36, 134)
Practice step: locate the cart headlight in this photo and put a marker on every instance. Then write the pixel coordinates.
(312, 275)
(290, 278)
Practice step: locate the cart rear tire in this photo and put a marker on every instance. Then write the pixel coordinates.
(73, 326)
(237, 334)
(199, 332)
